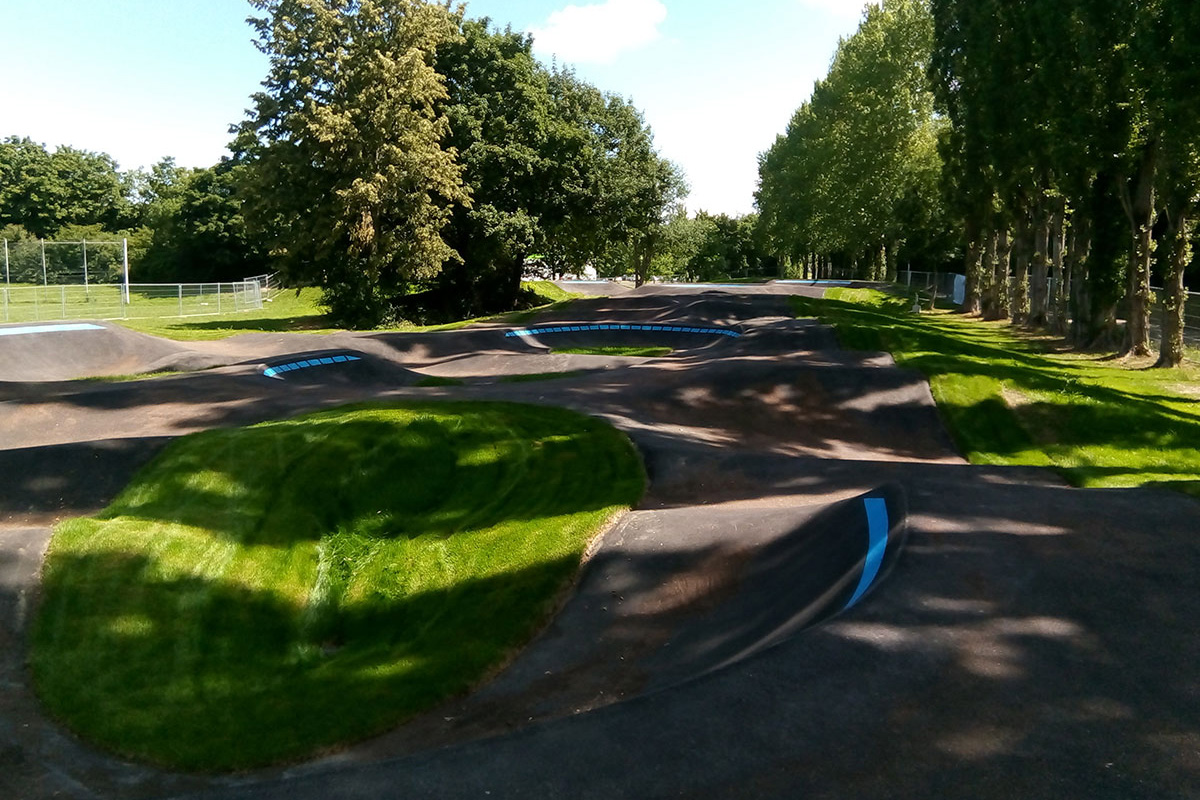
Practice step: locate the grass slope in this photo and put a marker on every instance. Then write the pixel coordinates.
(1009, 399)
(260, 595)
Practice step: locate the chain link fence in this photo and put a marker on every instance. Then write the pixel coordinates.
(37, 303)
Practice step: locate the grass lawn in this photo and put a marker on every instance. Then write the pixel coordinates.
(290, 311)
(646, 352)
(1013, 398)
(300, 311)
(264, 594)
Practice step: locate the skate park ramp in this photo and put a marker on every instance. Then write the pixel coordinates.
(823, 567)
(66, 351)
(655, 610)
(326, 367)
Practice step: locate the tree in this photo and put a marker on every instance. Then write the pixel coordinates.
(344, 155)
(198, 233)
(43, 191)
(859, 165)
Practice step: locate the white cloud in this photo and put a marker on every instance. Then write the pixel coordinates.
(597, 34)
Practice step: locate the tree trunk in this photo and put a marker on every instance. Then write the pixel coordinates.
(974, 266)
(988, 288)
(1141, 212)
(1178, 239)
(1039, 283)
(1020, 294)
(1060, 294)
(1004, 246)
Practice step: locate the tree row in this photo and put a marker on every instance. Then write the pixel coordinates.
(1050, 145)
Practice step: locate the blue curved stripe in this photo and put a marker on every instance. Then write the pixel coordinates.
(877, 528)
(552, 329)
(280, 369)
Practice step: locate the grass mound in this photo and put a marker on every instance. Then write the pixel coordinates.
(263, 594)
(1009, 398)
(638, 352)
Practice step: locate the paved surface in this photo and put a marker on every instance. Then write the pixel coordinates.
(1032, 640)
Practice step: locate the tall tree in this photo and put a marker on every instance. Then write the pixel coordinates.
(352, 185)
(859, 164)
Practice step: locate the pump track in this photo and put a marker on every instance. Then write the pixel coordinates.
(817, 597)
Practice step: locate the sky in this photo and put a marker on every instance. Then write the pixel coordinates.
(142, 79)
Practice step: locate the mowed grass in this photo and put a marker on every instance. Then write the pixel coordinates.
(264, 594)
(301, 311)
(1013, 398)
(640, 352)
(289, 311)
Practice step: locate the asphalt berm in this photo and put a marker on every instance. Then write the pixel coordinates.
(1016, 637)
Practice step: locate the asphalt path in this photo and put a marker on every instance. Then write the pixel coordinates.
(1027, 640)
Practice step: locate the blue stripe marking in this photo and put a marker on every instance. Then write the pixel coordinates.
(28, 329)
(279, 369)
(877, 528)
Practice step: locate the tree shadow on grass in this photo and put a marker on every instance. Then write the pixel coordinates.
(205, 674)
(300, 324)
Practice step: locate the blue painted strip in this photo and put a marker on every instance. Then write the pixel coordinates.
(877, 528)
(28, 329)
(280, 369)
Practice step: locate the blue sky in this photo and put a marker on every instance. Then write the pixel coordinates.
(143, 79)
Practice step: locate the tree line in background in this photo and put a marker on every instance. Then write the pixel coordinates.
(178, 221)
(410, 160)
(853, 186)
(1051, 146)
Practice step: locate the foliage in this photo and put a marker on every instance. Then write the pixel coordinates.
(348, 181)
(1061, 111)
(262, 594)
(856, 175)
(198, 231)
(44, 192)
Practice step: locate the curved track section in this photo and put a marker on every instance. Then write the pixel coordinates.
(737, 635)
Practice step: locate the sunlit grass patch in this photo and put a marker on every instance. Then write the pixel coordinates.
(260, 595)
(633, 352)
(1011, 398)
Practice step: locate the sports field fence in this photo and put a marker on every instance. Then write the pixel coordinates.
(26, 303)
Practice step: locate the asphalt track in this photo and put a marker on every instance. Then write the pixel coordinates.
(1031, 640)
